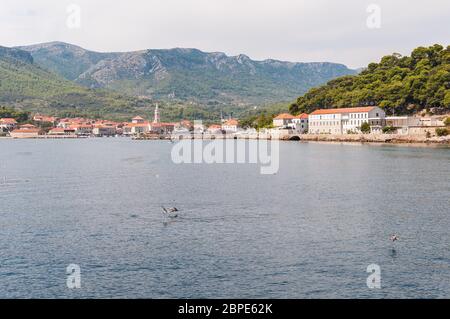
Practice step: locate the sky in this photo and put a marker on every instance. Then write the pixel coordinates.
(352, 32)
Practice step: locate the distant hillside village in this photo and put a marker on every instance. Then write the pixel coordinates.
(333, 122)
(52, 127)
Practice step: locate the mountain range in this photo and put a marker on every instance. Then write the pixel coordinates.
(185, 74)
(25, 85)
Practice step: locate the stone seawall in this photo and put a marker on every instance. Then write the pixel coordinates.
(375, 138)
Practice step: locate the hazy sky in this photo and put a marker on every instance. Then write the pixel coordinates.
(293, 30)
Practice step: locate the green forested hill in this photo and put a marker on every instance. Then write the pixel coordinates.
(400, 84)
(24, 85)
(186, 75)
(47, 80)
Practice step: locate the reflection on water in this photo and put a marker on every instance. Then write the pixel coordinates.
(309, 231)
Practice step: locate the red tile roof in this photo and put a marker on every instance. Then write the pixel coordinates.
(231, 122)
(78, 126)
(8, 121)
(44, 118)
(343, 110)
(302, 116)
(27, 126)
(285, 116)
(61, 130)
(143, 124)
(31, 130)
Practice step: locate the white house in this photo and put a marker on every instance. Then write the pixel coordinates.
(58, 131)
(214, 129)
(300, 123)
(7, 124)
(230, 126)
(26, 133)
(346, 120)
(137, 120)
(283, 120)
(82, 129)
(104, 129)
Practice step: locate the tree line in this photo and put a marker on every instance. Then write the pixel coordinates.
(19, 116)
(398, 84)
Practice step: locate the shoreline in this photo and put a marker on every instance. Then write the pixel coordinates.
(378, 139)
(306, 138)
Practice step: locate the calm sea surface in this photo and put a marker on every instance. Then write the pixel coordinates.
(309, 231)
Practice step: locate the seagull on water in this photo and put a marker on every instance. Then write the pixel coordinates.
(171, 212)
(394, 238)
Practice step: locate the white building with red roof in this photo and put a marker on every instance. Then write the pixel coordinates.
(283, 120)
(137, 120)
(346, 120)
(59, 131)
(214, 129)
(301, 123)
(81, 129)
(27, 127)
(26, 133)
(104, 128)
(7, 124)
(298, 124)
(230, 126)
(44, 119)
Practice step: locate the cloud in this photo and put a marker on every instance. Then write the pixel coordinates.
(295, 30)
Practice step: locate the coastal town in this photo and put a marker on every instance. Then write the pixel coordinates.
(323, 124)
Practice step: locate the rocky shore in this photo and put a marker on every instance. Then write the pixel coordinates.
(377, 138)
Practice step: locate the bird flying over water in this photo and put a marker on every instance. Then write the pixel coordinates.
(171, 212)
(394, 238)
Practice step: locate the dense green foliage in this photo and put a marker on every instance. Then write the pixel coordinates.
(261, 117)
(186, 75)
(442, 132)
(365, 128)
(12, 113)
(389, 130)
(447, 121)
(24, 85)
(263, 120)
(399, 84)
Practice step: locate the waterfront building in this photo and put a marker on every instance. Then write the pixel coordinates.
(26, 133)
(214, 129)
(346, 120)
(67, 122)
(137, 120)
(199, 128)
(162, 128)
(7, 124)
(230, 126)
(297, 124)
(283, 120)
(104, 129)
(82, 129)
(402, 123)
(414, 125)
(300, 123)
(27, 127)
(185, 124)
(44, 119)
(432, 121)
(59, 131)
